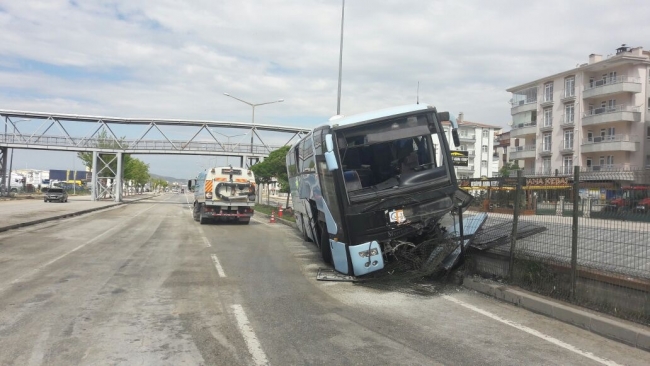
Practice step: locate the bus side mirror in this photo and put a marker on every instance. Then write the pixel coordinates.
(443, 116)
(330, 160)
(454, 135)
(190, 184)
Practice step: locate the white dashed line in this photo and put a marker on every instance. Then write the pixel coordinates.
(254, 347)
(531, 331)
(217, 265)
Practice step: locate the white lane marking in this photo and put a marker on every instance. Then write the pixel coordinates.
(204, 237)
(217, 265)
(190, 206)
(531, 331)
(35, 270)
(254, 347)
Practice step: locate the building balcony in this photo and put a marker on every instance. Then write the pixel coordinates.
(566, 170)
(609, 143)
(613, 85)
(547, 100)
(566, 146)
(523, 106)
(546, 126)
(522, 129)
(467, 138)
(568, 95)
(471, 153)
(611, 114)
(610, 168)
(522, 152)
(545, 150)
(465, 169)
(567, 120)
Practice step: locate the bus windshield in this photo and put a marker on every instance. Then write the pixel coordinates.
(386, 156)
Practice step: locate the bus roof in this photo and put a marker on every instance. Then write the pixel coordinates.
(369, 116)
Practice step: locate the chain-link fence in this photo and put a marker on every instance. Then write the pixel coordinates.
(581, 237)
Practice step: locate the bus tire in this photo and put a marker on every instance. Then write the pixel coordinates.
(203, 220)
(305, 237)
(325, 249)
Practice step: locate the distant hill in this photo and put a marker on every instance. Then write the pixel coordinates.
(169, 179)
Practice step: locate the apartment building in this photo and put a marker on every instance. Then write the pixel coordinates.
(595, 115)
(478, 140)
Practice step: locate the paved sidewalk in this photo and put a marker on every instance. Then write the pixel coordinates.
(16, 213)
(620, 330)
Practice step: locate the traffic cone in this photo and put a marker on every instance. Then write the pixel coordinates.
(273, 217)
(280, 211)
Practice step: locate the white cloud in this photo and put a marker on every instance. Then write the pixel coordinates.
(174, 59)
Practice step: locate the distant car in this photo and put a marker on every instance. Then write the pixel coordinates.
(56, 194)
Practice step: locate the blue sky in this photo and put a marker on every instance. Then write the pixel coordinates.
(175, 59)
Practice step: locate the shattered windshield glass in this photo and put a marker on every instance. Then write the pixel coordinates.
(389, 155)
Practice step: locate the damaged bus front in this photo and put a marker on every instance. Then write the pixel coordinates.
(365, 187)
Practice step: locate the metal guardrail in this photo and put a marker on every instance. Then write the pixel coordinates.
(612, 80)
(609, 138)
(612, 109)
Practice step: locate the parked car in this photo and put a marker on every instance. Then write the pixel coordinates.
(56, 194)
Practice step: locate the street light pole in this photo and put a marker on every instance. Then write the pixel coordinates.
(253, 105)
(229, 137)
(338, 98)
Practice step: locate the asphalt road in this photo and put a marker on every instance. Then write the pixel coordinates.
(144, 284)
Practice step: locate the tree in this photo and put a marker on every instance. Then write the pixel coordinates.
(273, 167)
(508, 167)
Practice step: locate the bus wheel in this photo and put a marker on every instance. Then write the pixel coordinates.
(305, 237)
(325, 249)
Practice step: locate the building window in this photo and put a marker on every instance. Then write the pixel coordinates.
(601, 161)
(569, 86)
(568, 139)
(610, 160)
(548, 92)
(546, 142)
(484, 148)
(483, 163)
(548, 117)
(647, 133)
(485, 133)
(569, 113)
(546, 166)
(611, 105)
(567, 165)
(589, 163)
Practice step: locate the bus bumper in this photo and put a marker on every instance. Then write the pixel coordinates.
(366, 257)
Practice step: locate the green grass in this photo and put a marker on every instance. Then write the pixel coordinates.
(266, 209)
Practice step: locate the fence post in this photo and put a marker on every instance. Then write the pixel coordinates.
(574, 231)
(515, 219)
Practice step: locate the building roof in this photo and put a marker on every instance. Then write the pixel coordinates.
(473, 124)
(620, 58)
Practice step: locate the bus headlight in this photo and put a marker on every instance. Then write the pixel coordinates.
(364, 254)
(208, 195)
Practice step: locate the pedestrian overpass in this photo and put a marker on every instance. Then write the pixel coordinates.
(55, 132)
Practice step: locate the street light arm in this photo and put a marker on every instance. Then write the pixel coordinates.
(275, 101)
(243, 101)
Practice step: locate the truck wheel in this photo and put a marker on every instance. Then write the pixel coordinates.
(325, 249)
(196, 211)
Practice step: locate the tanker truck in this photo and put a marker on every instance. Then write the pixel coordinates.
(223, 194)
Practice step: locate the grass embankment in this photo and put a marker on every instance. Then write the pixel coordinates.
(266, 209)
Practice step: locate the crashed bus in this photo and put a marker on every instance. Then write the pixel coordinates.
(367, 186)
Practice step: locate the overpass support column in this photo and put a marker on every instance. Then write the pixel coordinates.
(3, 168)
(94, 192)
(119, 177)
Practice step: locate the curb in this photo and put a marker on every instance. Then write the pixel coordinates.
(63, 216)
(616, 329)
(277, 219)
